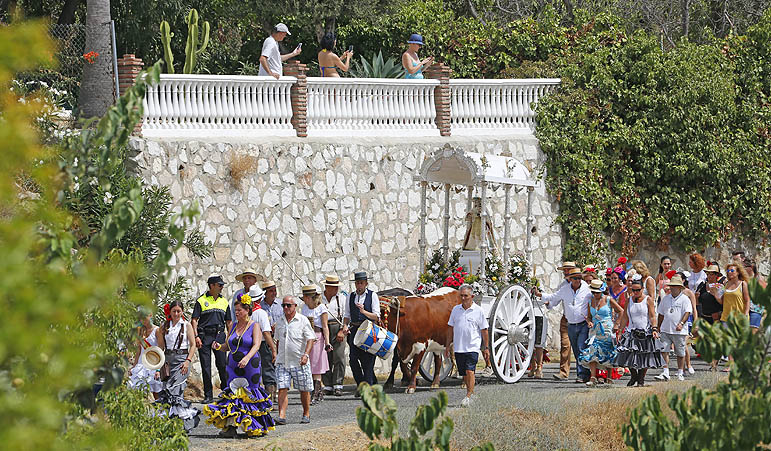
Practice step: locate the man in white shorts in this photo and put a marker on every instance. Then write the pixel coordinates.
(674, 310)
(294, 338)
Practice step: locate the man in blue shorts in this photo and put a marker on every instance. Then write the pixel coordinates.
(468, 330)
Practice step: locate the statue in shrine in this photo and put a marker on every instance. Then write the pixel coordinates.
(470, 258)
(473, 236)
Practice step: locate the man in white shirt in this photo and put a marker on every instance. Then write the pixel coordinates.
(575, 297)
(271, 58)
(674, 310)
(294, 337)
(335, 302)
(468, 329)
(363, 304)
(564, 337)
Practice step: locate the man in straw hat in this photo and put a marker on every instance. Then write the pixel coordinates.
(275, 313)
(674, 310)
(295, 338)
(248, 278)
(363, 304)
(211, 316)
(564, 338)
(575, 297)
(335, 302)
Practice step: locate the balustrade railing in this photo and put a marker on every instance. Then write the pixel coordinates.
(205, 105)
(489, 106)
(371, 106)
(220, 105)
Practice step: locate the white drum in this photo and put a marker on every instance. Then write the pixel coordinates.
(375, 340)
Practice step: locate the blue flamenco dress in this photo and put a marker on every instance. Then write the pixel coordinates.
(599, 346)
(244, 403)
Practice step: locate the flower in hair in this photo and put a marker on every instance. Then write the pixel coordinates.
(622, 260)
(245, 299)
(636, 277)
(670, 274)
(167, 311)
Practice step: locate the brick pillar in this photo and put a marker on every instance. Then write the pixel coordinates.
(129, 68)
(299, 96)
(441, 72)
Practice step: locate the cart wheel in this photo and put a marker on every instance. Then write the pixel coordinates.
(426, 367)
(512, 333)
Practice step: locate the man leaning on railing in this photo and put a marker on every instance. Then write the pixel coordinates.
(271, 58)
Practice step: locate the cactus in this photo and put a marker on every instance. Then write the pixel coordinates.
(192, 50)
(166, 36)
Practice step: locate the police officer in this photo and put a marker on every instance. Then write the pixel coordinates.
(362, 304)
(211, 314)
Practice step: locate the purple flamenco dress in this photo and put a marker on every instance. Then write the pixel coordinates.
(244, 404)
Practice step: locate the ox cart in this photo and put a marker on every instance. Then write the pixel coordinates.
(510, 309)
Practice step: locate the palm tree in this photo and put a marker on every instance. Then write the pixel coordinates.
(97, 85)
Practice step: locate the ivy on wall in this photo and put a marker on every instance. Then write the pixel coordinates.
(670, 146)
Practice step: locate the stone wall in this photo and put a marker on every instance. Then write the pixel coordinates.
(330, 207)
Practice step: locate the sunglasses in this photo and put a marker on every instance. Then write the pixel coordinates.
(635, 290)
(287, 305)
(730, 270)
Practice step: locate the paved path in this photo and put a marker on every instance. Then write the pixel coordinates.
(340, 410)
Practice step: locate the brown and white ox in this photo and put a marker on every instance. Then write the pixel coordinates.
(421, 327)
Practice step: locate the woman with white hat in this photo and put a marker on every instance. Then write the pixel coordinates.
(318, 314)
(412, 64)
(600, 350)
(140, 376)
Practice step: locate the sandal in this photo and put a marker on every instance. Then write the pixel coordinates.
(592, 382)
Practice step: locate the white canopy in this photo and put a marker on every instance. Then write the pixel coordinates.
(454, 166)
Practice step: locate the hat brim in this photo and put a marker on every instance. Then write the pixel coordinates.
(415, 42)
(596, 290)
(354, 280)
(161, 359)
(240, 277)
(331, 284)
(676, 285)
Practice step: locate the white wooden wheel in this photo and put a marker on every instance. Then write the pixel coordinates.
(512, 333)
(427, 369)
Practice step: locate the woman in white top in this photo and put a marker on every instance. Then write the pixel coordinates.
(175, 337)
(141, 377)
(648, 283)
(638, 348)
(318, 314)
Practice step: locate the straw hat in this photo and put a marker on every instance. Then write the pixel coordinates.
(153, 358)
(574, 271)
(248, 272)
(310, 290)
(567, 265)
(597, 286)
(712, 268)
(268, 284)
(331, 281)
(676, 281)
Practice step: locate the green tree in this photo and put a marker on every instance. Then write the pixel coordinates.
(732, 416)
(71, 291)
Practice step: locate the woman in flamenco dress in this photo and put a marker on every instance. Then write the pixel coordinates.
(244, 403)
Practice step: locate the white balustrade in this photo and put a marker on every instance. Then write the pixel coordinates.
(496, 106)
(371, 107)
(218, 105)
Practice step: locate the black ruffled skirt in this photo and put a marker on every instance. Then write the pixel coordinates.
(639, 350)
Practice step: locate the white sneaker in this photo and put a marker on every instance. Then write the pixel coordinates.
(691, 371)
(680, 377)
(664, 376)
(466, 402)
(487, 372)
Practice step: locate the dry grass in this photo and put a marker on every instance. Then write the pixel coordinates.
(583, 419)
(241, 166)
